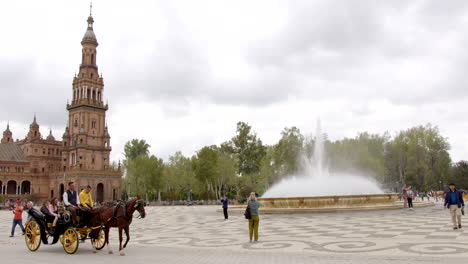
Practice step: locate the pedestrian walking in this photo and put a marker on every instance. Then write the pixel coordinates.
(17, 218)
(410, 195)
(254, 220)
(454, 202)
(225, 202)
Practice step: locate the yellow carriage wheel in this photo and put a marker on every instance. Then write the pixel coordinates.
(98, 243)
(32, 235)
(70, 241)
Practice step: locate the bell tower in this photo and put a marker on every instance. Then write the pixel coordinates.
(7, 135)
(86, 141)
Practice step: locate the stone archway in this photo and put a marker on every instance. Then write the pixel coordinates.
(11, 187)
(26, 187)
(100, 193)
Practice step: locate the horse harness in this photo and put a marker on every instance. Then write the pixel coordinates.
(116, 208)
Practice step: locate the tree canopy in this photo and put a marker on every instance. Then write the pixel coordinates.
(417, 156)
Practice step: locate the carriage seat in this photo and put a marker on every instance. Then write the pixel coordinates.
(37, 215)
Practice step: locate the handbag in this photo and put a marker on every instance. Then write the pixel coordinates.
(247, 213)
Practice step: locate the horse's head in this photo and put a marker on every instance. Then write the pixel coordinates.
(140, 207)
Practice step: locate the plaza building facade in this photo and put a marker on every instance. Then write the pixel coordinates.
(38, 168)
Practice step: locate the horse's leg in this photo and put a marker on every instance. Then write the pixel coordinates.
(127, 232)
(120, 242)
(120, 239)
(106, 232)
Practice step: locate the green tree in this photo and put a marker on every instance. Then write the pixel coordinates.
(135, 148)
(288, 151)
(205, 166)
(179, 176)
(226, 174)
(419, 156)
(459, 174)
(248, 148)
(144, 175)
(365, 154)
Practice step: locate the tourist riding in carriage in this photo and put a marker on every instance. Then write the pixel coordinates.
(74, 223)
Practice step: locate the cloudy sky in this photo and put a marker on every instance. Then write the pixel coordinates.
(181, 74)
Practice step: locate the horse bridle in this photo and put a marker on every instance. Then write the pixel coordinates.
(138, 204)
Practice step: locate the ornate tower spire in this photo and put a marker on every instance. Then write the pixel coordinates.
(86, 141)
(50, 137)
(7, 135)
(34, 132)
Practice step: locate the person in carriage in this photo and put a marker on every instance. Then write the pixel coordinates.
(85, 197)
(71, 200)
(51, 215)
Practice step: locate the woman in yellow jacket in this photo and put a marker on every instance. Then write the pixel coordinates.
(85, 197)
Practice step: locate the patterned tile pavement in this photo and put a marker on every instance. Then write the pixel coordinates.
(424, 235)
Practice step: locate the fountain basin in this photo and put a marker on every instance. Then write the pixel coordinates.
(336, 201)
(329, 204)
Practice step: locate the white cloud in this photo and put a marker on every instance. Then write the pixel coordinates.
(181, 74)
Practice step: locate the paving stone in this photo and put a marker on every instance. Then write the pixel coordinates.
(351, 237)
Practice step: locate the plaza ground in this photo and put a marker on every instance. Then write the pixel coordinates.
(199, 235)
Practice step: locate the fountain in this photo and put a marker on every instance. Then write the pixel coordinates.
(318, 190)
(316, 180)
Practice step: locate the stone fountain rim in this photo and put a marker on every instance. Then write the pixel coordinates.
(329, 196)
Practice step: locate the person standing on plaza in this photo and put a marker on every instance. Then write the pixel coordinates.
(254, 220)
(17, 218)
(454, 202)
(410, 195)
(404, 195)
(225, 202)
(85, 197)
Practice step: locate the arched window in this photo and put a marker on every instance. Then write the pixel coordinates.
(26, 187)
(92, 61)
(11, 187)
(100, 193)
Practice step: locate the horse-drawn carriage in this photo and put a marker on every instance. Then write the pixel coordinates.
(39, 230)
(94, 226)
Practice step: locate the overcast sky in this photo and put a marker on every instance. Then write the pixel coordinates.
(181, 74)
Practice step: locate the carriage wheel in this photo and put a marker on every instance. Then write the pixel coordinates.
(32, 235)
(70, 241)
(99, 242)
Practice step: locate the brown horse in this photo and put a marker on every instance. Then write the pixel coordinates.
(122, 218)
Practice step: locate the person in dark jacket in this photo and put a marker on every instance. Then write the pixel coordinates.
(225, 202)
(454, 202)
